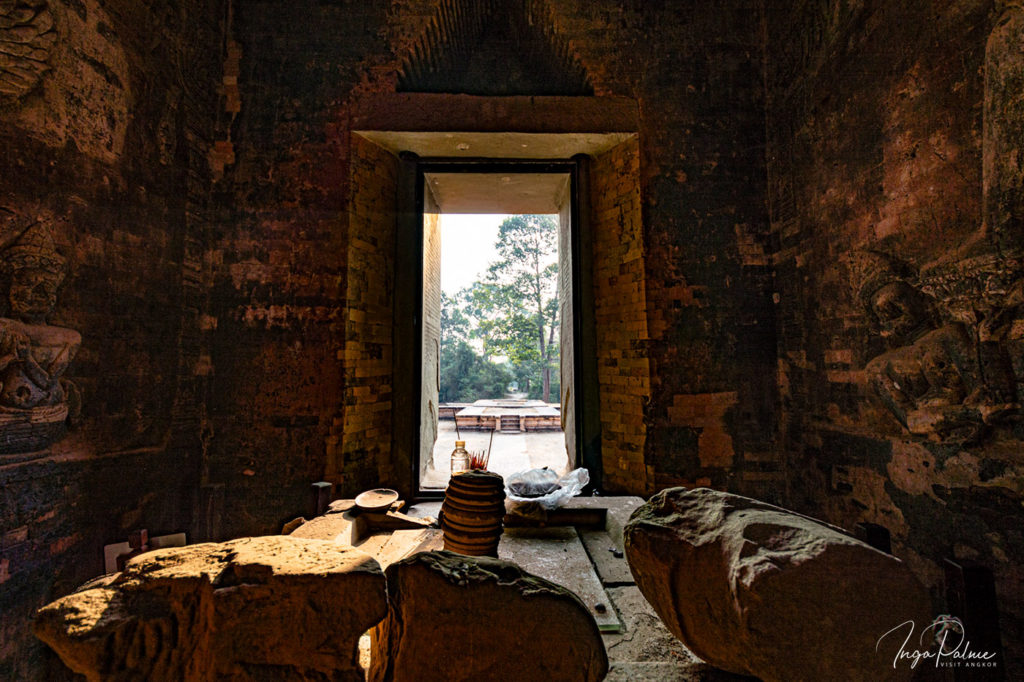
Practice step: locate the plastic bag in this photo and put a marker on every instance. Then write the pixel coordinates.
(533, 483)
(524, 491)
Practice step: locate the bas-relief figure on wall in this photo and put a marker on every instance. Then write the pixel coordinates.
(955, 364)
(26, 37)
(34, 355)
(951, 371)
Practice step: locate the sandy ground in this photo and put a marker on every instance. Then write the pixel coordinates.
(510, 452)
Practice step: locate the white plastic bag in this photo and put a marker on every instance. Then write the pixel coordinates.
(529, 483)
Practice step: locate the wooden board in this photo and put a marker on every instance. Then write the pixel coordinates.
(557, 554)
(580, 518)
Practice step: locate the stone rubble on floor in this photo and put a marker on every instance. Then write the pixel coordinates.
(457, 618)
(271, 607)
(759, 590)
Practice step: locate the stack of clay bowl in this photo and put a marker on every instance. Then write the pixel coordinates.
(471, 514)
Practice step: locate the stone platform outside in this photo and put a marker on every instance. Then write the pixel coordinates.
(510, 452)
(503, 415)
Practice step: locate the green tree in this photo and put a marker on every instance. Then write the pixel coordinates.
(512, 314)
(517, 306)
(465, 374)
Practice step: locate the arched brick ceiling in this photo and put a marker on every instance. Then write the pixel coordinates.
(492, 48)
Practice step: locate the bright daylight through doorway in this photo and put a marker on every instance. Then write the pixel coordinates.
(492, 321)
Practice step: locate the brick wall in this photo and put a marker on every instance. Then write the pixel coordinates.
(237, 332)
(279, 262)
(620, 295)
(877, 142)
(361, 457)
(235, 304)
(276, 371)
(111, 147)
(698, 82)
(709, 309)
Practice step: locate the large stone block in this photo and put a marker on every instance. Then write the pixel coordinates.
(762, 591)
(256, 608)
(453, 617)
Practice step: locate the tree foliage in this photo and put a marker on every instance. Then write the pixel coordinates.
(511, 316)
(465, 374)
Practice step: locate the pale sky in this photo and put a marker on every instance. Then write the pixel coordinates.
(467, 248)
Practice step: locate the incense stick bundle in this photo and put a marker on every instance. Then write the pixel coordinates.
(479, 459)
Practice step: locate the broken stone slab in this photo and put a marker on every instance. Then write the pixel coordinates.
(455, 618)
(346, 528)
(99, 633)
(758, 590)
(271, 607)
(647, 652)
(608, 558)
(557, 554)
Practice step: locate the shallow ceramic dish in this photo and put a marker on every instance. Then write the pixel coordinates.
(377, 499)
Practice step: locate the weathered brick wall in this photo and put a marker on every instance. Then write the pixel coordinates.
(275, 359)
(363, 460)
(876, 142)
(711, 416)
(706, 286)
(280, 264)
(249, 356)
(241, 348)
(623, 371)
(697, 78)
(113, 142)
(57, 514)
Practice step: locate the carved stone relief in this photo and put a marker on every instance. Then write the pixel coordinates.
(1003, 135)
(953, 367)
(26, 38)
(955, 364)
(35, 399)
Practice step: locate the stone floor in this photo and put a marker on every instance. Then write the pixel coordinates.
(510, 452)
(642, 650)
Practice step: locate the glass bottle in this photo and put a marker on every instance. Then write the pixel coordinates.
(460, 458)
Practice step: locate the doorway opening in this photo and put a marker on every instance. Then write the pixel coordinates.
(498, 352)
(497, 320)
